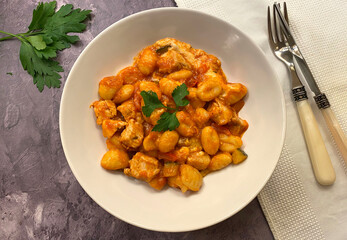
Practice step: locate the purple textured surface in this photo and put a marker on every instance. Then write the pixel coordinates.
(39, 196)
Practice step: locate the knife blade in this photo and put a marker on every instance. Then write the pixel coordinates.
(320, 98)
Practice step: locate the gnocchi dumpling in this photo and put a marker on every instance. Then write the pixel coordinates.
(167, 141)
(219, 161)
(115, 159)
(199, 160)
(209, 90)
(190, 177)
(130, 75)
(124, 93)
(193, 98)
(181, 74)
(210, 140)
(147, 61)
(109, 86)
(232, 93)
(167, 86)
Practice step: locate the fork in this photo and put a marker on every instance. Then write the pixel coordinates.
(320, 160)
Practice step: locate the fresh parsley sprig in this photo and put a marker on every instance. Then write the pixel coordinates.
(168, 120)
(48, 34)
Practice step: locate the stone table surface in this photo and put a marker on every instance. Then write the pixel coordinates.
(39, 196)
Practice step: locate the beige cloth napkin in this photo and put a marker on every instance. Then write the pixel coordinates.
(295, 205)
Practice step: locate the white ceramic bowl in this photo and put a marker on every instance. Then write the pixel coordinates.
(224, 192)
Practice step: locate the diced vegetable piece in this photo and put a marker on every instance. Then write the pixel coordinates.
(239, 156)
(163, 49)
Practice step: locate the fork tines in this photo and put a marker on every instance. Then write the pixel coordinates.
(275, 32)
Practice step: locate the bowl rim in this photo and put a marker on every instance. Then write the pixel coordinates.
(189, 11)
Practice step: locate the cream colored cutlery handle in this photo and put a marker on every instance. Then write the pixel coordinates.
(321, 163)
(336, 131)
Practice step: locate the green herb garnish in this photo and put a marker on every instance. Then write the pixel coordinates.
(168, 120)
(151, 102)
(46, 36)
(179, 95)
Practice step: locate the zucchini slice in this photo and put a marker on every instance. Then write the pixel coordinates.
(239, 156)
(163, 49)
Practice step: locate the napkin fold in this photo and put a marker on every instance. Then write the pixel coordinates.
(294, 204)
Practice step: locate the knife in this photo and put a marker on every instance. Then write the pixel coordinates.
(320, 98)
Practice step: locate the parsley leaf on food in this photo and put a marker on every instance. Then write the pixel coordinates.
(46, 36)
(151, 102)
(167, 121)
(179, 95)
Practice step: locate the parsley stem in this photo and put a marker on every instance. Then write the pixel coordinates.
(5, 38)
(11, 36)
(19, 35)
(170, 109)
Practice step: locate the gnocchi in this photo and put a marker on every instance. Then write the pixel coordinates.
(147, 61)
(168, 141)
(124, 93)
(191, 177)
(109, 86)
(210, 140)
(199, 160)
(167, 86)
(115, 159)
(209, 132)
(219, 161)
(209, 90)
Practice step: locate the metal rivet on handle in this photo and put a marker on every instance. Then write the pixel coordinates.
(322, 101)
(299, 93)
